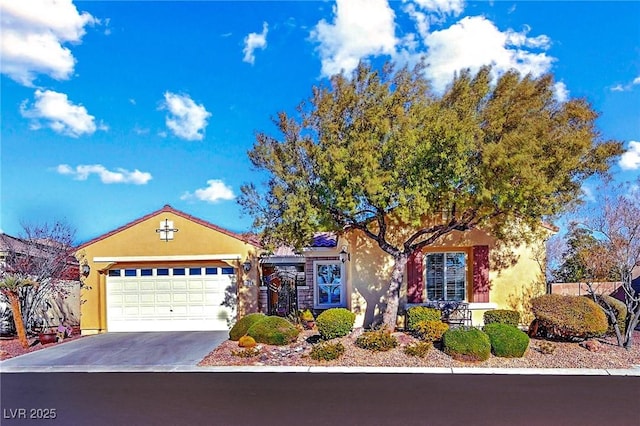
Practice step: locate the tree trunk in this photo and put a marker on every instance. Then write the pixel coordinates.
(17, 318)
(393, 293)
(634, 318)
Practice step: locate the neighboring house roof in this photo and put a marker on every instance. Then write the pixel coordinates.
(249, 239)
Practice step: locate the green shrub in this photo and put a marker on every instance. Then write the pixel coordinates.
(467, 344)
(327, 351)
(431, 331)
(567, 317)
(273, 331)
(335, 322)
(502, 316)
(506, 340)
(240, 328)
(417, 314)
(419, 349)
(377, 341)
(619, 308)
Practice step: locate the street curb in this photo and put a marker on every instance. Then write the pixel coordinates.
(325, 370)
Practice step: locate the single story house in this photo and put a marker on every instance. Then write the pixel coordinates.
(169, 270)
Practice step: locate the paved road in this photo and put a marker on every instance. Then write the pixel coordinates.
(283, 399)
(133, 350)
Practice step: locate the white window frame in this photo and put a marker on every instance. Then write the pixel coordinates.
(465, 298)
(343, 285)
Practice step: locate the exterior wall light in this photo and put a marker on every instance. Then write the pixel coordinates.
(246, 265)
(86, 269)
(344, 255)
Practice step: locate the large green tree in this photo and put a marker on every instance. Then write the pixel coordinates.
(380, 147)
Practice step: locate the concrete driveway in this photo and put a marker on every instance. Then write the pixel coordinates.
(122, 351)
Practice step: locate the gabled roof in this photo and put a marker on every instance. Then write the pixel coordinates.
(249, 239)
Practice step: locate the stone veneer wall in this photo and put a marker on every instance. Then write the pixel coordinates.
(305, 294)
(263, 303)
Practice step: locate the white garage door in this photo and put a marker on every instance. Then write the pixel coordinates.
(168, 299)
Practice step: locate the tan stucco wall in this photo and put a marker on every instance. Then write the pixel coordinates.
(512, 272)
(141, 239)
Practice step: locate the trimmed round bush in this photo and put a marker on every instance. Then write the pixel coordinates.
(335, 322)
(568, 317)
(502, 316)
(240, 328)
(246, 342)
(431, 331)
(327, 351)
(467, 344)
(273, 331)
(506, 340)
(417, 314)
(377, 341)
(619, 308)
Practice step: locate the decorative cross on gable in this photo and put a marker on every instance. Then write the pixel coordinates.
(166, 230)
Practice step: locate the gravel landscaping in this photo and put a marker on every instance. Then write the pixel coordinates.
(604, 355)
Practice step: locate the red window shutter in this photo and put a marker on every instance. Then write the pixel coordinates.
(415, 278)
(481, 283)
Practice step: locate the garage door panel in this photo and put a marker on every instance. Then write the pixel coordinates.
(179, 285)
(147, 286)
(162, 286)
(180, 298)
(130, 286)
(153, 303)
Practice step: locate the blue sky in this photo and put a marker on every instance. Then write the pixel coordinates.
(111, 110)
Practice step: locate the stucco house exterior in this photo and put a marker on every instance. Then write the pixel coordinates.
(167, 271)
(351, 271)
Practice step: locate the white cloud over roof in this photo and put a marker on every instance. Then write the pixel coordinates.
(630, 160)
(360, 28)
(186, 119)
(475, 41)
(33, 36)
(255, 41)
(215, 191)
(54, 110)
(83, 171)
(365, 28)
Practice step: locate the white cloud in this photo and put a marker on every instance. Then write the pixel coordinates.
(82, 172)
(186, 119)
(33, 36)
(255, 41)
(588, 194)
(475, 41)
(360, 28)
(216, 191)
(627, 87)
(442, 7)
(630, 160)
(561, 92)
(59, 114)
